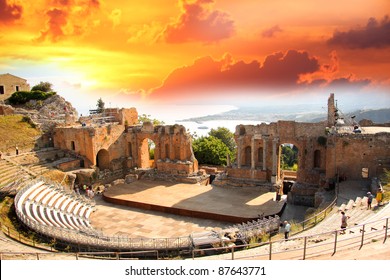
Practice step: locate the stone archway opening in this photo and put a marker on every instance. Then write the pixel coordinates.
(147, 153)
(103, 159)
(288, 165)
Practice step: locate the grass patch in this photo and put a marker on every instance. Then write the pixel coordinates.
(16, 132)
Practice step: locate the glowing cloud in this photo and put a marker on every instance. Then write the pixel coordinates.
(199, 23)
(269, 33)
(9, 12)
(374, 35)
(66, 18)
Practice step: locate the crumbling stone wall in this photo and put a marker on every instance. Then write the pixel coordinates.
(259, 148)
(173, 148)
(349, 153)
(125, 149)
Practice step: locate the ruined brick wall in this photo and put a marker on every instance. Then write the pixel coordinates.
(88, 141)
(247, 173)
(349, 153)
(128, 116)
(69, 165)
(10, 83)
(259, 148)
(173, 146)
(111, 146)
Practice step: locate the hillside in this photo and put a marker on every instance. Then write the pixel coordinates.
(27, 122)
(14, 131)
(301, 113)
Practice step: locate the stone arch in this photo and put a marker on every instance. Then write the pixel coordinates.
(103, 159)
(291, 146)
(146, 160)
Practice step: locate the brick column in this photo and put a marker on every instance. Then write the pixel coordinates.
(239, 148)
(253, 153)
(274, 156)
(264, 153)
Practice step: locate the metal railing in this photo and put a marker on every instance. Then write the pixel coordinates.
(315, 219)
(306, 246)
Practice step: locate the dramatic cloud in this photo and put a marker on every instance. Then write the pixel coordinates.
(269, 33)
(349, 82)
(279, 70)
(68, 17)
(374, 35)
(9, 12)
(199, 23)
(57, 21)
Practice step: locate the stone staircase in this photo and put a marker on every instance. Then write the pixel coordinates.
(356, 210)
(12, 177)
(323, 234)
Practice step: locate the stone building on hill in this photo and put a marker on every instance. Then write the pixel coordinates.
(10, 84)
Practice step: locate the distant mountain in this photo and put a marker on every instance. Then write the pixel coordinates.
(377, 116)
(299, 113)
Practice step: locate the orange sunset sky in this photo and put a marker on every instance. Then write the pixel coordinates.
(226, 52)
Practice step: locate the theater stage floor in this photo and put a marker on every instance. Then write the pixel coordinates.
(141, 219)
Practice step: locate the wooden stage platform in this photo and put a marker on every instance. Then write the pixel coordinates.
(233, 205)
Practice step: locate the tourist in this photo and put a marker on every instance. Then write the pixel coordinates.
(17, 150)
(369, 200)
(85, 188)
(344, 223)
(77, 189)
(379, 196)
(287, 228)
(91, 194)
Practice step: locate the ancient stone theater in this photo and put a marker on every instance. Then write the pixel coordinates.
(327, 151)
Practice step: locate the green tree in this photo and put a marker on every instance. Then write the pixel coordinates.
(225, 135)
(210, 150)
(289, 157)
(147, 118)
(100, 105)
(43, 86)
(385, 177)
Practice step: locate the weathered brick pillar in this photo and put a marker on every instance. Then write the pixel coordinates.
(264, 153)
(239, 152)
(274, 159)
(253, 153)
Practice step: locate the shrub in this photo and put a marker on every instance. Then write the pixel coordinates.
(21, 97)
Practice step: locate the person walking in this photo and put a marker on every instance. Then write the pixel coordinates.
(344, 223)
(287, 228)
(369, 200)
(379, 196)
